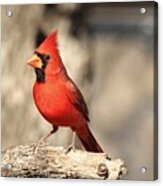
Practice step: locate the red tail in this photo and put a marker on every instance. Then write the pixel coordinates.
(88, 140)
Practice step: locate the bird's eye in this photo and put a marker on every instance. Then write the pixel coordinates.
(47, 57)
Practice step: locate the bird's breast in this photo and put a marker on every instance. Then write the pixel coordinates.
(53, 103)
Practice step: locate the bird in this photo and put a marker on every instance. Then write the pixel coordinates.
(57, 97)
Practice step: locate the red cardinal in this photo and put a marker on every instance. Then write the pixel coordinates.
(57, 97)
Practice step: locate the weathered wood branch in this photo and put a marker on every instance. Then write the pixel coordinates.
(43, 160)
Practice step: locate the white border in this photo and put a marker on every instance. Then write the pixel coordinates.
(48, 182)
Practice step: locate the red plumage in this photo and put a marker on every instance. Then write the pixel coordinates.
(57, 97)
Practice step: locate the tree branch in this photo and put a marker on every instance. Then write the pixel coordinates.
(43, 160)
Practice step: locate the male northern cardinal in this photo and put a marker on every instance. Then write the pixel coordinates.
(57, 97)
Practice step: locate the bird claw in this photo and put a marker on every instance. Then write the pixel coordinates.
(39, 142)
(70, 148)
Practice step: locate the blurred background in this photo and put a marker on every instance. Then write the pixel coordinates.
(108, 51)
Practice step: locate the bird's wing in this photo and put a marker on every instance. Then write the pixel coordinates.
(77, 99)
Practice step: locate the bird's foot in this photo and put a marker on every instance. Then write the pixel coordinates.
(43, 140)
(70, 148)
(40, 142)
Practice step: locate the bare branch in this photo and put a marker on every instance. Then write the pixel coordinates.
(43, 160)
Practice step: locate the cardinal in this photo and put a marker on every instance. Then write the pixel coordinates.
(57, 97)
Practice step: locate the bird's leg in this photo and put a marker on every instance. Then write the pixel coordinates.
(44, 138)
(72, 145)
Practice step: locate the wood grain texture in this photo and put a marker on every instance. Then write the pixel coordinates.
(45, 161)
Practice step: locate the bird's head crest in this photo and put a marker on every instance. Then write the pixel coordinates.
(49, 45)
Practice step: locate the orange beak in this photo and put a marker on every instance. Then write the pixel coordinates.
(35, 62)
